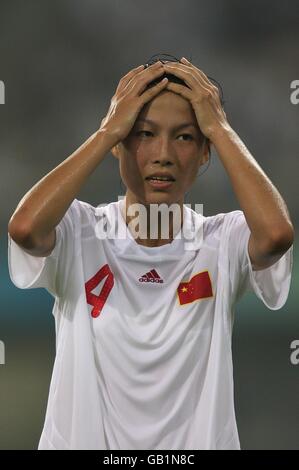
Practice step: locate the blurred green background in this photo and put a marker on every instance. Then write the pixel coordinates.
(61, 63)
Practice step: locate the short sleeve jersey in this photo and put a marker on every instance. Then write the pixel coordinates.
(143, 334)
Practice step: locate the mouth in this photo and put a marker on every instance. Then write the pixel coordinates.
(160, 180)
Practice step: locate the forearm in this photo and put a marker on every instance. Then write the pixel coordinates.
(44, 205)
(264, 208)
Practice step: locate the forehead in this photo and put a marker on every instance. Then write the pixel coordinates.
(168, 105)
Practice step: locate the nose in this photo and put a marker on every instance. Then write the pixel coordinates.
(163, 152)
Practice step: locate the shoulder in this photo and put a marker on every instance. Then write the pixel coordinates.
(87, 211)
(221, 222)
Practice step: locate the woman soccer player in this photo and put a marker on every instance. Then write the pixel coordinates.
(143, 323)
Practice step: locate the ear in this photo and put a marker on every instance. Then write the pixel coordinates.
(206, 152)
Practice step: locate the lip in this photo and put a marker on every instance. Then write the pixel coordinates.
(162, 174)
(160, 184)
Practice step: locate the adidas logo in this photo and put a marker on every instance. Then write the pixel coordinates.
(151, 276)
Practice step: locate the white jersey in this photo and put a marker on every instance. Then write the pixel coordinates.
(143, 334)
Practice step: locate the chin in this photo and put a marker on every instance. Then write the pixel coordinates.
(159, 197)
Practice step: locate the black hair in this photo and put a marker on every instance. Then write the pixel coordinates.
(173, 78)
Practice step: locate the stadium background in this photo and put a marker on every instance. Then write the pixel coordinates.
(61, 62)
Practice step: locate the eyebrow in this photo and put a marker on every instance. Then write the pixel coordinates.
(181, 126)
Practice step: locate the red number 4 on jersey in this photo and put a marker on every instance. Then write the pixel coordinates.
(98, 301)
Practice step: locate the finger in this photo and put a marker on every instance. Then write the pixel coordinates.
(126, 78)
(153, 91)
(202, 74)
(131, 80)
(140, 81)
(180, 90)
(186, 62)
(188, 73)
(183, 72)
(133, 73)
(189, 94)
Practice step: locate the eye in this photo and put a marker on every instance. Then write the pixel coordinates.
(140, 132)
(182, 135)
(187, 135)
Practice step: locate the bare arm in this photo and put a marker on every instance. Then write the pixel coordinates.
(266, 212)
(33, 223)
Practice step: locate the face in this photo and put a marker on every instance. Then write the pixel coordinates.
(162, 146)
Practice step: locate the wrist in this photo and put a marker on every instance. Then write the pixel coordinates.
(108, 139)
(218, 132)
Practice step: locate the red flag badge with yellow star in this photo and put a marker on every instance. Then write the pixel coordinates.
(199, 287)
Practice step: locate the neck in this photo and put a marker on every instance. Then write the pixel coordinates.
(153, 228)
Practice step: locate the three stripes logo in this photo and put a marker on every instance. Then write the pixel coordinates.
(151, 276)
